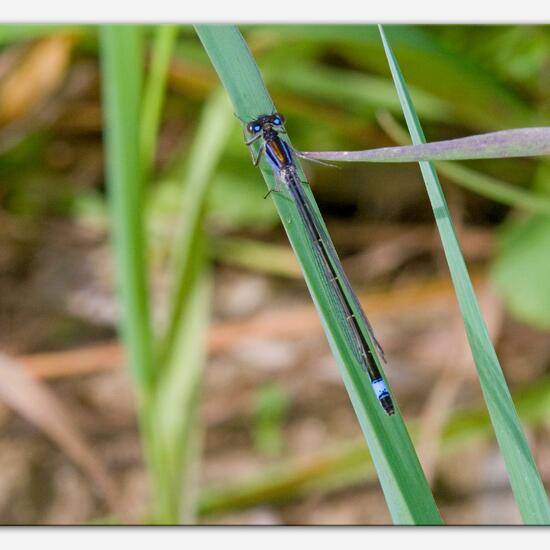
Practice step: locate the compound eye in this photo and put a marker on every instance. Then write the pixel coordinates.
(250, 127)
(277, 119)
(257, 128)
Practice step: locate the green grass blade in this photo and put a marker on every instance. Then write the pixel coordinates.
(205, 154)
(121, 64)
(525, 480)
(405, 488)
(173, 426)
(176, 428)
(153, 93)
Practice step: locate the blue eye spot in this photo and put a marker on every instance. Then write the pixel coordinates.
(277, 121)
(257, 128)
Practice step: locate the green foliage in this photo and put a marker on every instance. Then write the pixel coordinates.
(475, 96)
(271, 404)
(167, 375)
(521, 272)
(122, 82)
(350, 90)
(203, 158)
(522, 471)
(247, 211)
(153, 95)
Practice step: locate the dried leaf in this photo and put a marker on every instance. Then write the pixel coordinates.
(40, 73)
(34, 401)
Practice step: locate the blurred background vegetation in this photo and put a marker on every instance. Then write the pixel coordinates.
(280, 443)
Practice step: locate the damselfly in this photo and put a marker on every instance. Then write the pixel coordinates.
(279, 154)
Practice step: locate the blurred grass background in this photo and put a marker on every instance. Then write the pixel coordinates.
(280, 444)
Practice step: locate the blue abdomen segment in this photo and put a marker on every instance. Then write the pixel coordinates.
(380, 388)
(383, 395)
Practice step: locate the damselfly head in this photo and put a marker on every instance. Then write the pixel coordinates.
(264, 122)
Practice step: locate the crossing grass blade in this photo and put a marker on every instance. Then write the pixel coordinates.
(405, 488)
(475, 181)
(520, 142)
(524, 477)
